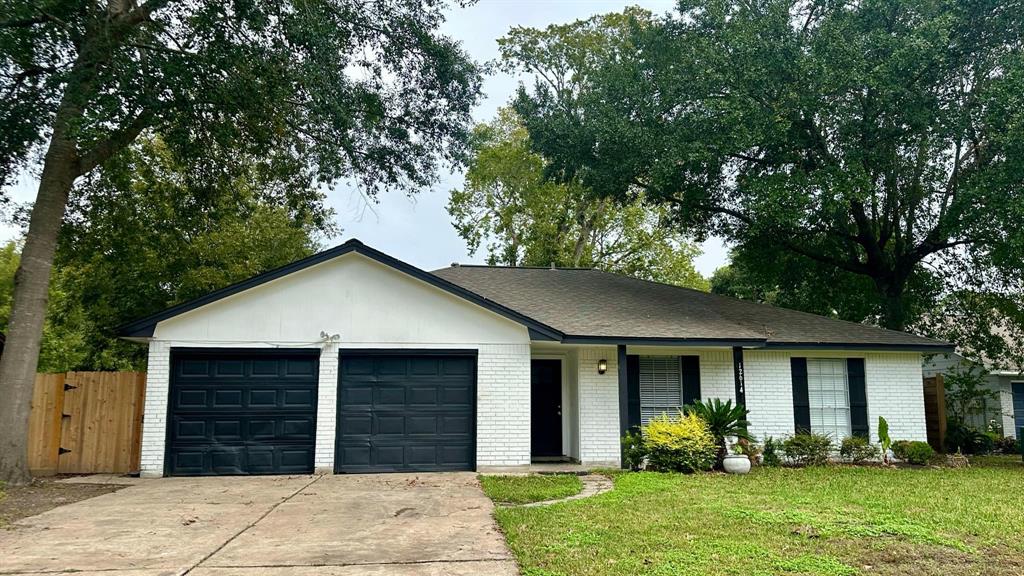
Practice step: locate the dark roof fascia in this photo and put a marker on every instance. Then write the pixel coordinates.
(937, 348)
(144, 327)
(645, 341)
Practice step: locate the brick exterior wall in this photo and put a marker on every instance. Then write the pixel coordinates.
(154, 422)
(716, 375)
(326, 409)
(599, 406)
(503, 405)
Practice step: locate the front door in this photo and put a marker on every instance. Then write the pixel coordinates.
(546, 408)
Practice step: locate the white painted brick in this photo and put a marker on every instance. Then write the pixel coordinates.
(599, 406)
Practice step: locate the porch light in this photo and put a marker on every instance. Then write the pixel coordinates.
(602, 366)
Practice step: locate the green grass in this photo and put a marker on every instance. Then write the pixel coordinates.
(839, 520)
(532, 488)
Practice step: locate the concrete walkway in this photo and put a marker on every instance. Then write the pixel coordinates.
(593, 484)
(403, 524)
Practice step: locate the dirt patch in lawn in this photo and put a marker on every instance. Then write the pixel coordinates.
(17, 502)
(898, 558)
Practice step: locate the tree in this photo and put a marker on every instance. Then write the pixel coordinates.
(507, 206)
(880, 140)
(328, 89)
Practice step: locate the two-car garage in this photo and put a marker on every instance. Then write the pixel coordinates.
(255, 411)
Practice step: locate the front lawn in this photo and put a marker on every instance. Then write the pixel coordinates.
(836, 520)
(532, 488)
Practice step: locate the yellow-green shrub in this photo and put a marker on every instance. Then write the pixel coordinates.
(680, 444)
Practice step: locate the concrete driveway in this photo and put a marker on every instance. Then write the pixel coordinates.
(412, 524)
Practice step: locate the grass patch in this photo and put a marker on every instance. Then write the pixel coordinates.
(532, 488)
(834, 521)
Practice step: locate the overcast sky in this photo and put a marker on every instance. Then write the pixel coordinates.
(418, 230)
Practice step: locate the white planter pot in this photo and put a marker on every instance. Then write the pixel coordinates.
(737, 464)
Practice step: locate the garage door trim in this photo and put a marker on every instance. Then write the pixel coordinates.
(177, 352)
(342, 353)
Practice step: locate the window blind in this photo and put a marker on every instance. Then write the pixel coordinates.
(661, 387)
(829, 394)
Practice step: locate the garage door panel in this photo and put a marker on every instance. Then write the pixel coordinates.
(406, 413)
(250, 412)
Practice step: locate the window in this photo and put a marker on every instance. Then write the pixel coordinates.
(829, 394)
(661, 387)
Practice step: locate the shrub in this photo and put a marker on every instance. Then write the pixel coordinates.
(1008, 445)
(770, 452)
(808, 449)
(633, 452)
(747, 448)
(723, 420)
(681, 444)
(883, 438)
(857, 449)
(899, 449)
(966, 439)
(919, 453)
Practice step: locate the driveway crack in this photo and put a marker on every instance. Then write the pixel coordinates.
(251, 524)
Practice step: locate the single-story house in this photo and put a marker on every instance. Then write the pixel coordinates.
(1006, 409)
(353, 361)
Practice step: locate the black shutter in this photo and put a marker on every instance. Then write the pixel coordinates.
(801, 399)
(858, 396)
(633, 390)
(690, 369)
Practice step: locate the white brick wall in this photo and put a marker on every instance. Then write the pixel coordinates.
(599, 406)
(717, 379)
(769, 392)
(894, 390)
(154, 421)
(503, 405)
(326, 408)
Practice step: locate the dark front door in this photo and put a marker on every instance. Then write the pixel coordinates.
(241, 412)
(546, 408)
(401, 412)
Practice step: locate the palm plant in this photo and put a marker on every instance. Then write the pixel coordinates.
(724, 420)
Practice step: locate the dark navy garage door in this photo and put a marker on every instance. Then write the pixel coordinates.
(406, 412)
(241, 412)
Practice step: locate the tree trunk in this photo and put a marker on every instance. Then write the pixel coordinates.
(894, 313)
(31, 289)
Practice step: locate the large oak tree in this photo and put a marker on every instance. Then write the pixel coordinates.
(329, 89)
(880, 141)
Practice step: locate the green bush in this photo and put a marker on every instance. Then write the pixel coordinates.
(966, 439)
(682, 444)
(723, 420)
(919, 453)
(633, 452)
(808, 449)
(857, 449)
(770, 452)
(899, 449)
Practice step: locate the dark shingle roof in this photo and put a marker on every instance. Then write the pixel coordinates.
(589, 304)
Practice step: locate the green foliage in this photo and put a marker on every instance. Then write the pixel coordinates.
(966, 392)
(724, 420)
(633, 451)
(144, 234)
(808, 449)
(531, 488)
(822, 141)
(966, 439)
(918, 452)
(899, 449)
(1007, 445)
(857, 450)
(682, 444)
(770, 452)
(883, 438)
(507, 207)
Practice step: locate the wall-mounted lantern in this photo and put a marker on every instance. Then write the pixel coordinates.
(602, 366)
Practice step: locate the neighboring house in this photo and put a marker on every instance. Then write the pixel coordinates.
(353, 361)
(1007, 409)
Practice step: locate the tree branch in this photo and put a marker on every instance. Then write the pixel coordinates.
(115, 142)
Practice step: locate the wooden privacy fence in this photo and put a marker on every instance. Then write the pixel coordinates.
(86, 422)
(935, 411)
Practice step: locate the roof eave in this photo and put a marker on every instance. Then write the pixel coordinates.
(936, 348)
